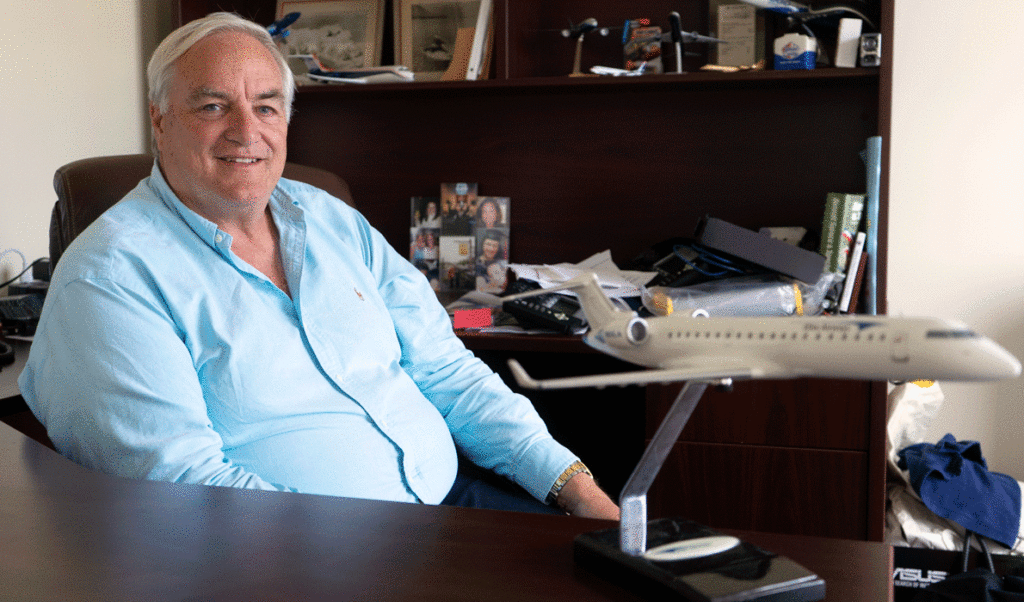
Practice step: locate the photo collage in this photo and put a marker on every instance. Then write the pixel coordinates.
(460, 240)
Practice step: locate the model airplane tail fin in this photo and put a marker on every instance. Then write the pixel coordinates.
(312, 62)
(596, 304)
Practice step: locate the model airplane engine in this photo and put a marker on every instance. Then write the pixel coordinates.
(637, 331)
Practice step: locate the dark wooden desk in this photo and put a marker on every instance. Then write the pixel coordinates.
(71, 534)
(13, 410)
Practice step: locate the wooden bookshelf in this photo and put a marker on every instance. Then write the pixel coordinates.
(620, 163)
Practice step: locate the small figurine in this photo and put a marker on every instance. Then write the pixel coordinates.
(585, 26)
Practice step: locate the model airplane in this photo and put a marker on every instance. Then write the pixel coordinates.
(803, 13)
(680, 347)
(279, 29)
(680, 37)
(369, 75)
(704, 350)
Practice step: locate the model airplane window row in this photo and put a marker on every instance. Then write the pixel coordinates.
(707, 334)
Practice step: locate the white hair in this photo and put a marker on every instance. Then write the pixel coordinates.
(161, 70)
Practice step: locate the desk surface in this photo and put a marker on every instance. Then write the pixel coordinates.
(9, 374)
(72, 534)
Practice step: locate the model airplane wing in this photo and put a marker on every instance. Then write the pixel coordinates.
(707, 373)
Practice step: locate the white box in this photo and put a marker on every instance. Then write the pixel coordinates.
(848, 42)
(795, 51)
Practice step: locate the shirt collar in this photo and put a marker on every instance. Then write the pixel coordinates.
(282, 206)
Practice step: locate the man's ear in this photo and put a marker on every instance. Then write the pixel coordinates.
(155, 118)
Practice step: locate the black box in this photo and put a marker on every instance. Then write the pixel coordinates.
(917, 568)
(760, 249)
(744, 572)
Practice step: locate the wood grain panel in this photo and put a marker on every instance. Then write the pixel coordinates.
(813, 413)
(783, 490)
(611, 168)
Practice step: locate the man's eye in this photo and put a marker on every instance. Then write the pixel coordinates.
(210, 108)
(266, 110)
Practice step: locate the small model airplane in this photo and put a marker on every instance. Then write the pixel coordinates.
(369, 75)
(577, 32)
(279, 29)
(778, 6)
(680, 347)
(583, 27)
(680, 37)
(616, 72)
(803, 13)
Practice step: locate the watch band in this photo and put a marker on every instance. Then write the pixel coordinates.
(574, 469)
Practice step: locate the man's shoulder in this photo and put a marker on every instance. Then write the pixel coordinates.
(139, 224)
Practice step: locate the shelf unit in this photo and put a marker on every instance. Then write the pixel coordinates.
(620, 163)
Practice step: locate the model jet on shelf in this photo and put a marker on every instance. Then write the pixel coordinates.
(680, 37)
(678, 347)
(803, 13)
(278, 30)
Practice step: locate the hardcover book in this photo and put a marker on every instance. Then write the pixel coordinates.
(843, 212)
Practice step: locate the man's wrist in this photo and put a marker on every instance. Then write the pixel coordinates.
(574, 469)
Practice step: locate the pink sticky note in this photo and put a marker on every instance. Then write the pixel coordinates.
(472, 318)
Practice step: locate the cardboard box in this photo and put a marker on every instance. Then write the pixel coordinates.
(795, 51)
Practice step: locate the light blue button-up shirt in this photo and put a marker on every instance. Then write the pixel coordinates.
(162, 355)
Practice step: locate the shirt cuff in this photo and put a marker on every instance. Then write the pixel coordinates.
(539, 471)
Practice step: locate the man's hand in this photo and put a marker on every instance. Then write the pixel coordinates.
(581, 496)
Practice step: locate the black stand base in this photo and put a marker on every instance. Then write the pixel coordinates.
(744, 572)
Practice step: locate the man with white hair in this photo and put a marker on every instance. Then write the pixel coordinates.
(224, 326)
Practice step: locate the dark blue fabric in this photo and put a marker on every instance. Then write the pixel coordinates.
(953, 480)
(478, 488)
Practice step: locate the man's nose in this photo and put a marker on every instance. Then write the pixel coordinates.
(244, 127)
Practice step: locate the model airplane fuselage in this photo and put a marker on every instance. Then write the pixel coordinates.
(366, 75)
(679, 347)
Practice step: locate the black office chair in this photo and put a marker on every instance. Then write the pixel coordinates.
(88, 187)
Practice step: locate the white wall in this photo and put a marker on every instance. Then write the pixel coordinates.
(71, 79)
(71, 86)
(957, 197)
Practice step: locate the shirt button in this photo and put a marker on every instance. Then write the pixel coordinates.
(217, 239)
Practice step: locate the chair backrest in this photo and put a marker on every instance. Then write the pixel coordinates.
(88, 187)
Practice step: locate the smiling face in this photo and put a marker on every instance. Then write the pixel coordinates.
(488, 214)
(222, 140)
(490, 249)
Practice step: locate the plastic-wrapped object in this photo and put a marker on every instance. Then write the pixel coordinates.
(750, 295)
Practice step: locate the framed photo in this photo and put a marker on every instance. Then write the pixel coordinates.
(425, 32)
(343, 34)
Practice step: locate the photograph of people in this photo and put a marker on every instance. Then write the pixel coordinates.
(491, 212)
(425, 213)
(491, 262)
(460, 199)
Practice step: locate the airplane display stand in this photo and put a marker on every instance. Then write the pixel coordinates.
(684, 558)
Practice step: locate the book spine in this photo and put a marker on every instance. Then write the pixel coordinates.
(828, 227)
(851, 273)
(853, 209)
(850, 208)
(858, 281)
(480, 41)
